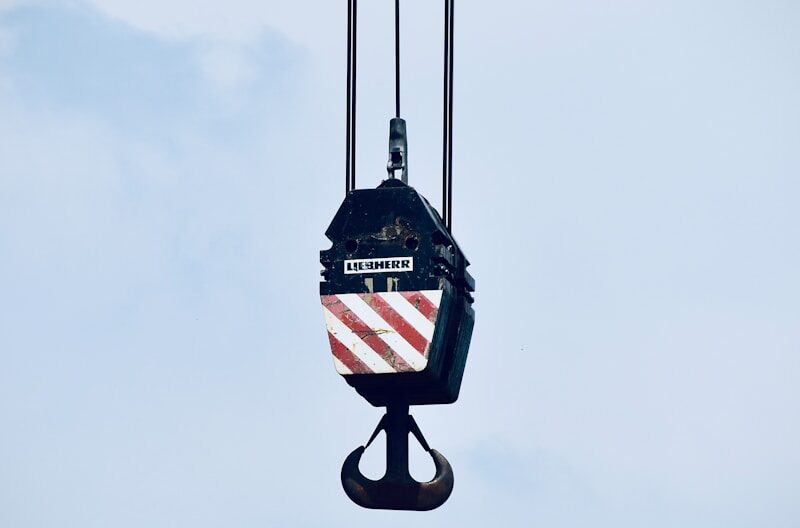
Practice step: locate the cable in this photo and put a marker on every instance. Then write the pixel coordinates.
(445, 81)
(348, 135)
(397, 56)
(350, 143)
(450, 122)
(447, 110)
(355, 85)
(447, 134)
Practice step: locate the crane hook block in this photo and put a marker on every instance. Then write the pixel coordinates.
(397, 298)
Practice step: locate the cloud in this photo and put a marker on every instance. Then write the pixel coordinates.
(104, 67)
(626, 198)
(129, 250)
(227, 68)
(8, 4)
(235, 21)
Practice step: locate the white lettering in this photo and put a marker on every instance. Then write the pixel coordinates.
(378, 265)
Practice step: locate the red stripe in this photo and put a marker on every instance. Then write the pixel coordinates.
(349, 359)
(423, 304)
(396, 321)
(367, 334)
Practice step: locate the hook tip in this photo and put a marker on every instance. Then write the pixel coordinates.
(389, 494)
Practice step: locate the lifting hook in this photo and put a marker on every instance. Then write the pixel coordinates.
(397, 490)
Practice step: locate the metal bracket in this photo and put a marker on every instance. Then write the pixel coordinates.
(398, 149)
(397, 490)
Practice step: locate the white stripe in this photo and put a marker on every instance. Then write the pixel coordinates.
(434, 296)
(355, 345)
(341, 368)
(408, 312)
(385, 331)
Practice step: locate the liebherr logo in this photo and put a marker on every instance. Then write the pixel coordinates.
(379, 265)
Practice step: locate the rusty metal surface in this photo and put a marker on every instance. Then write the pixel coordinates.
(397, 490)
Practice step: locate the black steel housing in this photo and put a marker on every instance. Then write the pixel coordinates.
(391, 221)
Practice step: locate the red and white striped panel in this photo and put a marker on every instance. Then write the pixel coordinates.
(381, 333)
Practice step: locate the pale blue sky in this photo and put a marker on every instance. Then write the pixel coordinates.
(626, 189)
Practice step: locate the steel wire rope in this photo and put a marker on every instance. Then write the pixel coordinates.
(447, 110)
(397, 57)
(447, 134)
(352, 67)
